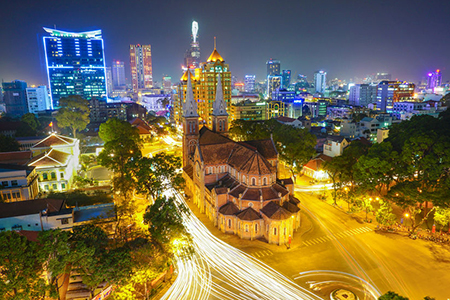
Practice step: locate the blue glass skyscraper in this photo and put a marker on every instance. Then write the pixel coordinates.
(75, 64)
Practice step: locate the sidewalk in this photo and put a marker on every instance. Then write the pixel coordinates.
(242, 244)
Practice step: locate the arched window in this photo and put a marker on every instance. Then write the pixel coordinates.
(53, 175)
(229, 223)
(253, 181)
(264, 181)
(256, 228)
(274, 231)
(190, 127)
(44, 175)
(243, 178)
(220, 125)
(246, 227)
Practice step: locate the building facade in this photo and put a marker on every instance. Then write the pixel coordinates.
(249, 110)
(273, 67)
(389, 92)
(249, 83)
(38, 99)
(434, 79)
(18, 182)
(141, 67)
(75, 64)
(15, 97)
(362, 94)
(192, 55)
(118, 74)
(235, 183)
(320, 81)
(286, 79)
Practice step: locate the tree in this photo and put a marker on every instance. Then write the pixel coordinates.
(21, 266)
(121, 150)
(74, 113)
(8, 144)
(442, 216)
(155, 175)
(392, 296)
(31, 120)
(384, 214)
(366, 204)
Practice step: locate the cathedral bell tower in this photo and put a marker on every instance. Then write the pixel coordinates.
(190, 124)
(220, 115)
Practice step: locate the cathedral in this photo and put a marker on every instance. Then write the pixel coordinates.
(235, 183)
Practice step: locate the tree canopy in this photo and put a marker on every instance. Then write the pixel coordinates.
(8, 144)
(73, 113)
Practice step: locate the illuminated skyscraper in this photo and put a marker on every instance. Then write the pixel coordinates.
(118, 73)
(141, 67)
(286, 74)
(15, 98)
(109, 80)
(249, 83)
(273, 84)
(192, 55)
(167, 84)
(320, 81)
(273, 67)
(434, 80)
(390, 92)
(75, 64)
(38, 99)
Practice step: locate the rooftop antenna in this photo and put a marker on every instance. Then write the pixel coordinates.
(214, 42)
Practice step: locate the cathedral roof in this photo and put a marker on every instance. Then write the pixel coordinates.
(215, 56)
(248, 214)
(228, 209)
(219, 105)
(275, 212)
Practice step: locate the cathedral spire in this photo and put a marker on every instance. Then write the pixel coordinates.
(190, 105)
(219, 105)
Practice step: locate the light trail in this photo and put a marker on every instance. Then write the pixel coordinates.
(220, 271)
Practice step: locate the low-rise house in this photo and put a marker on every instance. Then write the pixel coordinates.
(314, 168)
(18, 183)
(334, 146)
(290, 121)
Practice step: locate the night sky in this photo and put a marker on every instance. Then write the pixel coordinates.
(346, 38)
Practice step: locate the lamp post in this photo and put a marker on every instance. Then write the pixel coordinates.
(407, 217)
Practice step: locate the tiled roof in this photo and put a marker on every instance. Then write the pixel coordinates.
(10, 167)
(16, 158)
(336, 138)
(291, 207)
(248, 214)
(285, 119)
(274, 211)
(52, 158)
(293, 200)
(54, 140)
(228, 209)
(209, 137)
(317, 162)
(265, 147)
(141, 125)
(28, 207)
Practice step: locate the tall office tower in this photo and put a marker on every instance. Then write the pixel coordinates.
(38, 99)
(286, 75)
(383, 77)
(167, 84)
(434, 80)
(362, 94)
(389, 92)
(249, 83)
(302, 84)
(141, 67)
(320, 81)
(109, 80)
(192, 55)
(118, 74)
(75, 64)
(208, 75)
(273, 84)
(15, 97)
(273, 67)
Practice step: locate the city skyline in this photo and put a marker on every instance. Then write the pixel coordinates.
(364, 38)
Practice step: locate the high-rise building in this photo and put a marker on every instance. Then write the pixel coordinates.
(273, 84)
(286, 74)
(38, 99)
(141, 67)
(273, 67)
(75, 64)
(362, 94)
(15, 97)
(320, 81)
(167, 84)
(118, 74)
(249, 83)
(390, 92)
(192, 55)
(109, 80)
(434, 80)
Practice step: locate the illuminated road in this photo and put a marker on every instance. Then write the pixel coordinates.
(220, 271)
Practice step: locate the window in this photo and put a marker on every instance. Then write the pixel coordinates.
(63, 186)
(46, 187)
(14, 195)
(250, 204)
(246, 227)
(64, 221)
(54, 186)
(53, 174)
(253, 181)
(243, 178)
(5, 183)
(274, 231)
(44, 175)
(264, 181)
(61, 175)
(229, 223)
(9, 196)
(14, 182)
(256, 228)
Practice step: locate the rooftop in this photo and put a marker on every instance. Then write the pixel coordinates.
(29, 207)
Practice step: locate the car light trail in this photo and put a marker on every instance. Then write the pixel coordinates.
(220, 271)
